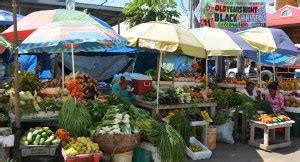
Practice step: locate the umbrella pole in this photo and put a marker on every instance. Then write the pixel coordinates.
(259, 70)
(158, 80)
(63, 69)
(206, 72)
(274, 70)
(73, 64)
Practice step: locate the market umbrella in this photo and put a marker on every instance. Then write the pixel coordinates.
(218, 42)
(71, 36)
(3, 44)
(269, 40)
(34, 20)
(6, 17)
(165, 37)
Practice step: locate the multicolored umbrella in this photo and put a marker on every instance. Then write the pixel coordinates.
(230, 43)
(3, 44)
(60, 36)
(269, 40)
(6, 17)
(34, 20)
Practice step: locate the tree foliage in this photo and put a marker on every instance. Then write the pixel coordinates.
(141, 11)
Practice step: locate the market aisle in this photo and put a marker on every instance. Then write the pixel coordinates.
(244, 153)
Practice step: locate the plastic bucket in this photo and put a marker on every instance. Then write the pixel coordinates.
(212, 137)
(125, 157)
(141, 155)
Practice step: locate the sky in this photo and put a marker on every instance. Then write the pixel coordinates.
(182, 8)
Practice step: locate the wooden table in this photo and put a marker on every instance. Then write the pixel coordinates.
(269, 135)
(152, 106)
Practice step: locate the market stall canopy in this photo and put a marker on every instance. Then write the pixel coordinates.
(229, 44)
(287, 16)
(269, 40)
(6, 17)
(3, 44)
(58, 37)
(164, 36)
(33, 21)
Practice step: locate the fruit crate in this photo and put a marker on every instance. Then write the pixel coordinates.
(205, 154)
(94, 157)
(33, 150)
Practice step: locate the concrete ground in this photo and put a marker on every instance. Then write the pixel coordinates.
(244, 153)
(237, 152)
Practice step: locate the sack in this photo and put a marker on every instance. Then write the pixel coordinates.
(224, 132)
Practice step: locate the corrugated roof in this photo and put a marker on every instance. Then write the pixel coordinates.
(109, 3)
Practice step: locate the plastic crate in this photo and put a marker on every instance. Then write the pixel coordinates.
(94, 157)
(33, 150)
(205, 154)
(295, 130)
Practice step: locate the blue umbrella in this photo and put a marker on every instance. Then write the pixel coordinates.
(6, 17)
(279, 59)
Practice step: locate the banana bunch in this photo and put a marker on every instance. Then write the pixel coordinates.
(205, 116)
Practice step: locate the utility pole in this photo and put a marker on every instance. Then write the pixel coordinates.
(16, 82)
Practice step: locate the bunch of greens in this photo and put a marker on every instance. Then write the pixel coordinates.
(164, 76)
(74, 118)
(264, 106)
(114, 99)
(181, 123)
(97, 110)
(150, 96)
(50, 104)
(29, 82)
(220, 119)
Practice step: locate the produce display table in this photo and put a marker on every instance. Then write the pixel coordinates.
(269, 130)
(204, 126)
(152, 106)
(292, 110)
(177, 84)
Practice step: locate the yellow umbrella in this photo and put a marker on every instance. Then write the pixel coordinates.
(165, 37)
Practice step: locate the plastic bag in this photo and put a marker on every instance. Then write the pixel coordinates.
(224, 132)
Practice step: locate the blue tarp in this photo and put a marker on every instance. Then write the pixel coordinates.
(280, 59)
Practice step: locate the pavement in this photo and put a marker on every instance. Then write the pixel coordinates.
(239, 152)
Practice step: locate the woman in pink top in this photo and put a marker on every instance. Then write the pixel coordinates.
(275, 98)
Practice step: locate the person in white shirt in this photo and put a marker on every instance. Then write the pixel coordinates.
(251, 92)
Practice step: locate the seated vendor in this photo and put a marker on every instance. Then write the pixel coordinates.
(121, 89)
(251, 92)
(275, 98)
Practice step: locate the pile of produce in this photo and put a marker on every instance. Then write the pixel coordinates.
(83, 86)
(97, 110)
(40, 136)
(201, 79)
(288, 84)
(52, 83)
(2, 117)
(195, 148)
(80, 145)
(29, 82)
(5, 132)
(74, 118)
(62, 134)
(164, 75)
(168, 96)
(184, 76)
(291, 100)
(235, 81)
(150, 96)
(271, 118)
(115, 121)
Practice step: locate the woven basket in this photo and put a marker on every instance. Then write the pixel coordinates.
(117, 143)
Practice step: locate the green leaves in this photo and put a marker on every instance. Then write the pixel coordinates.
(141, 11)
